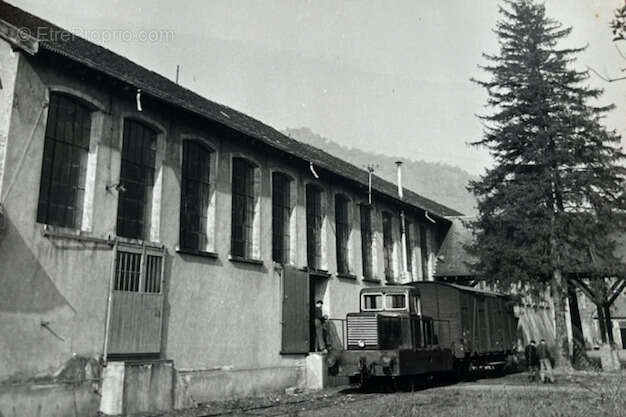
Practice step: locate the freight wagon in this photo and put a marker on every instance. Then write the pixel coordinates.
(426, 327)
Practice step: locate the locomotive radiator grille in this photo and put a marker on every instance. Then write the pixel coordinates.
(362, 328)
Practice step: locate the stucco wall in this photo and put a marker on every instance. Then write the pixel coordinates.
(222, 319)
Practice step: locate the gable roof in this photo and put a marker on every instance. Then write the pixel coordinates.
(103, 60)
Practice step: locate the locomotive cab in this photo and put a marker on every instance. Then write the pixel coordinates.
(390, 336)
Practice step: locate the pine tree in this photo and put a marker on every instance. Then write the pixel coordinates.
(555, 192)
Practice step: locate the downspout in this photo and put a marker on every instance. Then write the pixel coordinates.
(405, 272)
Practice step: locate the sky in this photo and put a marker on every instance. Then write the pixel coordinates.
(386, 76)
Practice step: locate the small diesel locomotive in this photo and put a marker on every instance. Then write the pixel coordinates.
(427, 327)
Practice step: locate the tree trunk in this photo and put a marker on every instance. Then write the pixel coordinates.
(559, 297)
(579, 350)
(609, 323)
(601, 322)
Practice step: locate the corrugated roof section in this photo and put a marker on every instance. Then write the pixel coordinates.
(153, 84)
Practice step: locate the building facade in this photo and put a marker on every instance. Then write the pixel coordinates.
(146, 226)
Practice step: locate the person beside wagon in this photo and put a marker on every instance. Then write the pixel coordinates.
(545, 364)
(532, 361)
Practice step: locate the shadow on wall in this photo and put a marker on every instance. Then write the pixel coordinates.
(26, 287)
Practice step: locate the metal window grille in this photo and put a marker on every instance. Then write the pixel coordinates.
(366, 240)
(281, 212)
(137, 270)
(137, 177)
(408, 230)
(195, 195)
(424, 251)
(63, 172)
(342, 226)
(388, 245)
(243, 208)
(314, 218)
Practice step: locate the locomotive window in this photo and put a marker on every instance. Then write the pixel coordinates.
(395, 302)
(372, 302)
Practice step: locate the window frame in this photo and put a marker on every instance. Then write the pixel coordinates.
(367, 241)
(252, 249)
(210, 203)
(288, 206)
(310, 229)
(405, 308)
(343, 232)
(369, 294)
(151, 205)
(85, 177)
(388, 246)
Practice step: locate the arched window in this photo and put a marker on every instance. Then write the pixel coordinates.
(137, 173)
(388, 245)
(243, 209)
(281, 217)
(195, 196)
(314, 222)
(64, 167)
(342, 233)
(367, 241)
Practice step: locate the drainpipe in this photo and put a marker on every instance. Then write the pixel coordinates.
(405, 272)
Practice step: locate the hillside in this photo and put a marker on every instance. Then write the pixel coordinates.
(442, 183)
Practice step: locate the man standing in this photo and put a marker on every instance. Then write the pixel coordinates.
(545, 366)
(531, 360)
(320, 344)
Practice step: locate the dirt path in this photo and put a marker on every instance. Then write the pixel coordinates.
(348, 402)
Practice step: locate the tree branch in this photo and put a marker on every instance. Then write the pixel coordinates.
(619, 290)
(608, 80)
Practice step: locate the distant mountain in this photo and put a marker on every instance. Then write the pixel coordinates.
(442, 183)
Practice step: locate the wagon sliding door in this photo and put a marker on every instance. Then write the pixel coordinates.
(135, 315)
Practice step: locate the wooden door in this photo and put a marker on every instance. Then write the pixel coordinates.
(135, 315)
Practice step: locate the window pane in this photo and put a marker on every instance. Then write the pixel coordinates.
(342, 230)
(372, 302)
(137, 177)
(64, 165)
(243, 208)
(366, 240)
(194, 196)
(396, 301)
(388, 245)
(423, 251)
(314, 226)
(281, 211)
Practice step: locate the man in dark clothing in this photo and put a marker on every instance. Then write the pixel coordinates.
(532, 361)
(320, 344)
(545, 366)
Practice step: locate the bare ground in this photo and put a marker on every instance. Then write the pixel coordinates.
(573, 395)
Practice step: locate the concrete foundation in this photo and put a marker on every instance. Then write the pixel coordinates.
(49, 400)
(137, 387)
(316, 371)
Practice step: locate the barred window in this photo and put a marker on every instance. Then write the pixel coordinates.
(195, 196)
(281, 214)
(64, 167)
(408, 227)
(366, 240)
(424, 252)
(134, 207)
(132, 276)
(314, 219)
(342, 226)
(388, 245)
(243, 208)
